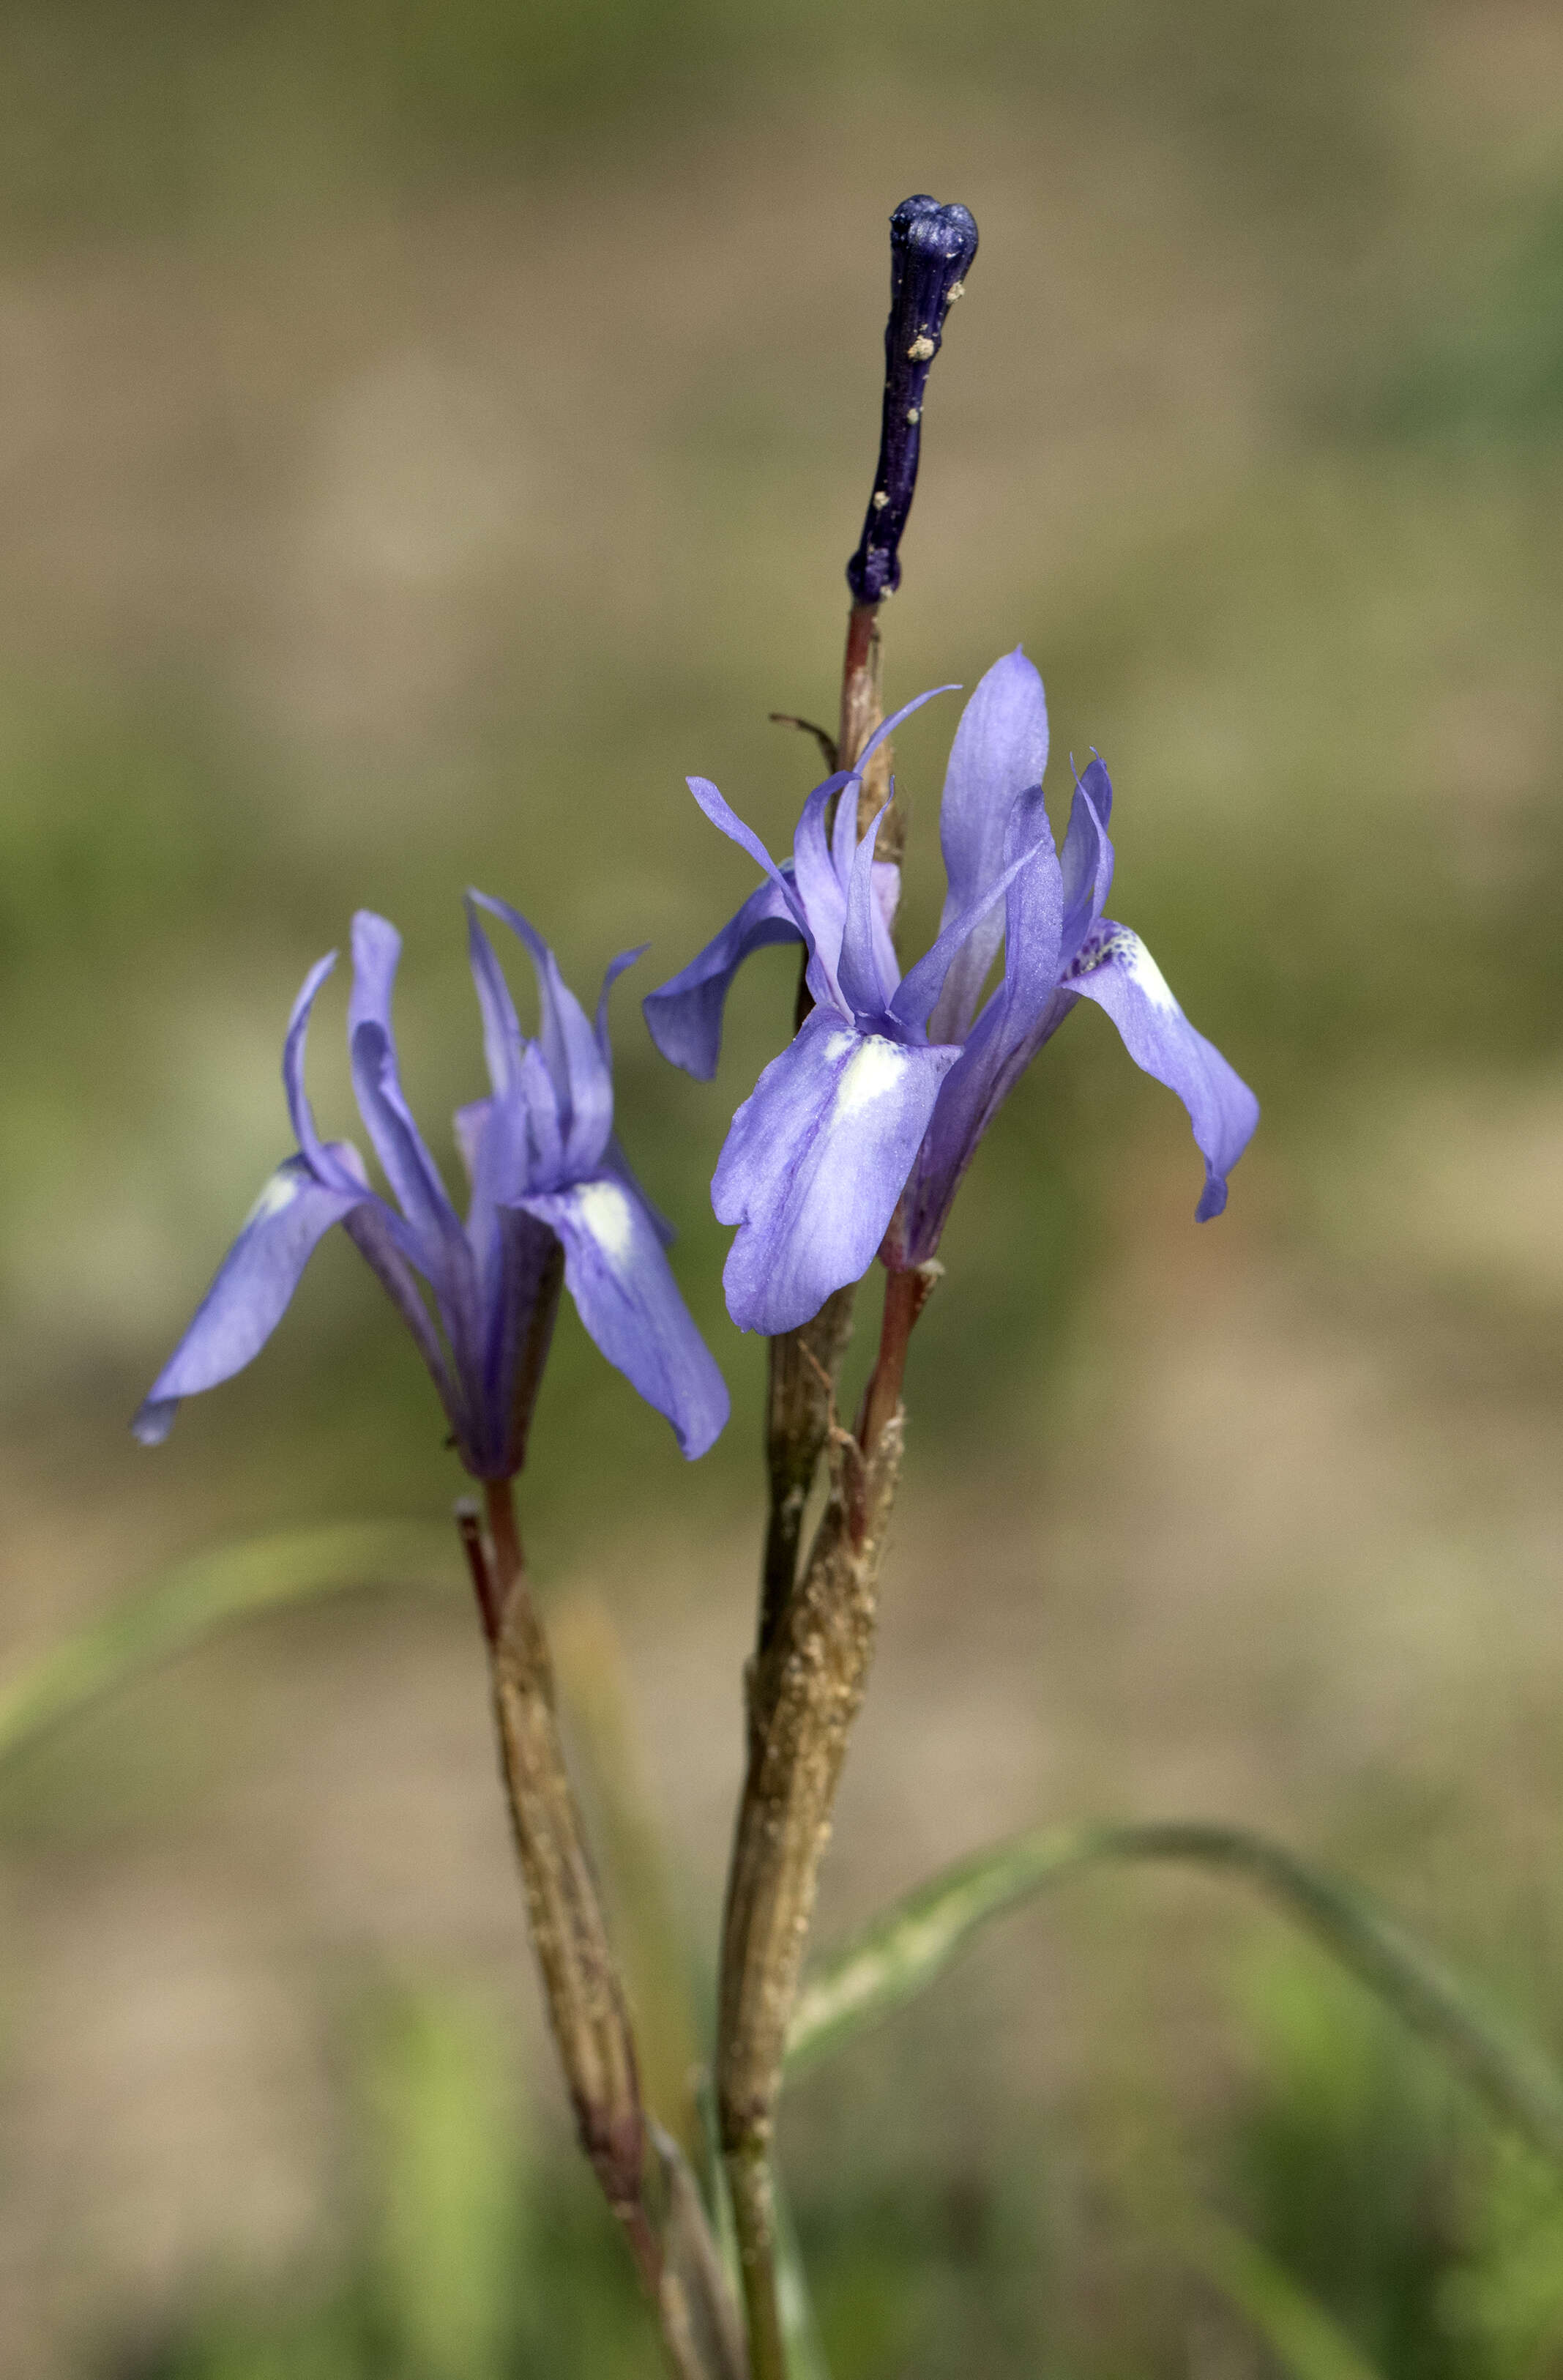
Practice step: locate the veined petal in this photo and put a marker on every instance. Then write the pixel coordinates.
(502, 1028)
(615, 1270)
(820, 879)
(377, 1082)
(812, 1166)
(1117, 971)
(1020, 1016)
(310, 1144)
(251, 1292)
(683, 1015)
(581, 1079)
(1031, 915)
(1087, 857)
(1000, 751)
(862, 974)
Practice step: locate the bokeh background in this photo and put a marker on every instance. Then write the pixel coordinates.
(426, 432)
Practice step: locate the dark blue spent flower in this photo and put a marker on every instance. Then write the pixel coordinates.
(932, 251)
(549, 1189)
(856, 1138)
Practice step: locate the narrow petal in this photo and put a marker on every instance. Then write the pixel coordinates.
(817, 875)
(615, 1270)
(812, 1166)
(722, 815)
(377, 1082)
(581, 1079)
(614, 970)
(1087, 857)
(683, 1015)
(502, 1028)
(251, 1292)
(310, 1144)
(371, 1227)
(1023, 1013)
(1118, 972)
(865, 986)
(1000, 750)
(1035, 913)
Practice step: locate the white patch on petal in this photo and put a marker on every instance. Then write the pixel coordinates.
(605, 1211)
(1147, 975)
(878, 1066)
(279, 1193)
(837, 1046)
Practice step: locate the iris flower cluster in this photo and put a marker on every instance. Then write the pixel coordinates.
(548, 1184)
(852, 1142)
(855, 1138)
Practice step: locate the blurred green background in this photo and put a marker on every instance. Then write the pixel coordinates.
(426, 433)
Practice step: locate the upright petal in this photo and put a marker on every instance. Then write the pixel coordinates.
(502, 1036)
(310, 1144)
(1031, 853)
(575, 1063)
(377, 1082)
(251, 1292)
(867, 968)
(1022, 1012)
(1000, 750)
(1087, 857)
(814, 1164)
(1118, 972)
(683, 1015)
(615, 1270)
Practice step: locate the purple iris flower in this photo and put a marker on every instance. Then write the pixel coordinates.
(547, 1175)
(856, 1138)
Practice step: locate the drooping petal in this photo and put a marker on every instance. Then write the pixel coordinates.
(611, 973)
(812, 1166)
(1000, 750)
(615, 1270)
(581, 1079)
(1118, 972)
(251, 1292)
(683, 1015)
(1087, 857)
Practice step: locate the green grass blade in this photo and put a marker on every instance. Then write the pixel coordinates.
(207, 1592)
(895, 1957)
(1305, 2339)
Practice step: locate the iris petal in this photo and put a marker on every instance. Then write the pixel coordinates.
(814, 1164)
(1118, 972)
(625, 1295)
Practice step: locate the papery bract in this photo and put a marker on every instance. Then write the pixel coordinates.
(546, 1175)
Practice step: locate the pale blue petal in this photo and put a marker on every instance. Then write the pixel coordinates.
(865, 986)
(683, 1015)
(1118, 972)
(1087, 857)
(251, 1291)
(812, 1166)
(1000, 750)
(625, 1295)
(1032, 915)
(575, 1063)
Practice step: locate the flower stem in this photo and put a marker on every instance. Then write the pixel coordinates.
(586, 2002)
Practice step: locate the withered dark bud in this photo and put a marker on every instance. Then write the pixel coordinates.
(932, 251)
